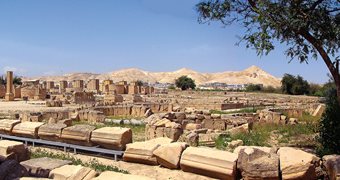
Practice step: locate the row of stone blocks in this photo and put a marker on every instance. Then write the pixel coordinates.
(12, 153)
(107, 137)
(245, 162)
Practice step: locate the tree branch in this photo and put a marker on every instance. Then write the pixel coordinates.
(315, 4)
(322, 52)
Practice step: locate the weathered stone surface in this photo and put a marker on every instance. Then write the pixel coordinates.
(31, 178)
(109, 175)
(319, 110)
(142, 152)
(331, 164)
(41, 167)
(78, 134)
(11, 169)
(239, 129)
(162, 123)
(265, 149)
(112, 137)
(51, 132)
(297, 164)
(27, 129)
(72, 172)
(234, 144)
(193, 126)
(180, 115)
(13, 150)
(169, 155)
(254, 163)
(6, 125)
(209, 162)
(208, 139)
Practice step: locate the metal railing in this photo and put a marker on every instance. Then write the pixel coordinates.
(64, 145)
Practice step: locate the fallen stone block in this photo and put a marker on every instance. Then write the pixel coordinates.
(41, 167)
(331, 164)
(112, 137)
(11, 169)
(169, 155)
(13, 150)
(192, 126)
(319, 110)
(51, 132)
(6, 126)
(142, 152)
(78, 134)
(27, 129)
(209, 162)
(297, 164)
(254, 163)
(109, 175)
(239, 129)
(72, 172)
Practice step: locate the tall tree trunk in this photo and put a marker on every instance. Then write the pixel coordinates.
(332, 67)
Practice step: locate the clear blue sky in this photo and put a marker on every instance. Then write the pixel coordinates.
(48, 37)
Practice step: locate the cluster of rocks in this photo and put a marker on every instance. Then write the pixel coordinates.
(247, 162)
(86, 135)
(16, 164)
(195, 127)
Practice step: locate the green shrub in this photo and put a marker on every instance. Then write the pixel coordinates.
(330, 126)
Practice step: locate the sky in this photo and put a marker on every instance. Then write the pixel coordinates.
(40, 37)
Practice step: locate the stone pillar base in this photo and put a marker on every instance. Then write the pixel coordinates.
(9, 97)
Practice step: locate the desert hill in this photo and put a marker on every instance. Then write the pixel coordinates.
(252, 74)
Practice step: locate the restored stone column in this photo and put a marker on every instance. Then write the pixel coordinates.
(9, 87)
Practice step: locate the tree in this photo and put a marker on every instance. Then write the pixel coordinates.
(17, 80)
(139, 83)
(184, 82)
(253, 87)
(309, 28)
(294, 85)
(330, 126)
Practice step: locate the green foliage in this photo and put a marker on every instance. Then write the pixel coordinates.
(330, 125)
(271, 89)
(2, 80)
(172, 87)
(306, 27)
(94, 164)
(139, 83)
(262, 134)
(254, 88)
(17, 80)
(184, 82)
(294, 85)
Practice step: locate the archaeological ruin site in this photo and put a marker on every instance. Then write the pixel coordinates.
(92, 129)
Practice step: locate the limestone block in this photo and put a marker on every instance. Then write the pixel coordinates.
(169, 155)
(191, 116)
(216, 116)
(319, 110)
(109, 175)
(297, 164)
(193, 126)
(254, 163)
(208, 139)
(173, 125)
(142, 152)
(72, 172)
(161, 123)
(78, 134)
(332, 165)
(27, 129)
(13, 150)
(41, 167)
(112, 137)
(209, 162)
(208, 123)
(51, 132)
(6, 125)
(11, 169)
(239, 129)
(180, 115)
(220, 125)
(160, 132)
(173, 133)
(264, 149)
